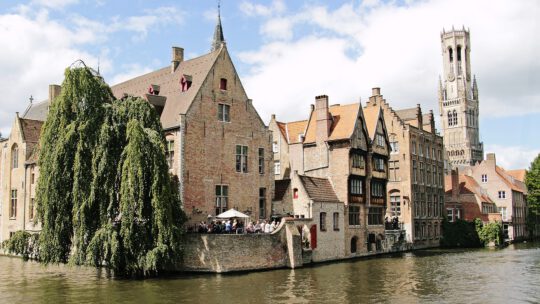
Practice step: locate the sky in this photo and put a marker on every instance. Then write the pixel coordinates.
(288, 52)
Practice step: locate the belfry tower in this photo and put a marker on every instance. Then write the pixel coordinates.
(458, 101)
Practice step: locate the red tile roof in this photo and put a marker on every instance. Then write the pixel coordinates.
(343, 122)
(319, 189)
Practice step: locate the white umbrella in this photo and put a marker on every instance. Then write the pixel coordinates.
(232, 213)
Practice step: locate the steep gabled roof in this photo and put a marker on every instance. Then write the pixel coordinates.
(343, 122)
(37, 111)
(508, 181)
(371, 115)
(30, 129)
(407, 114)
(467, 185)
(319, 189)
(178, 102)
(281, 187)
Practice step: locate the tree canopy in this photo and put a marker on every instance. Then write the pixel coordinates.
(104, 194)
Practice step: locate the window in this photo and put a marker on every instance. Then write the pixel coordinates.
(394, 170)
(413, 146)
(504, 213)
(223, 112)
(222, 198)
(32, 176)
(241, 158)
(377, 189)
(395, 146)
(15, 157)
(416, 230)
(434, 172)
(358, 161)
(379, 164)
(262, 202)
(336, 221)
(354, 215)
(261, 160)
(420, 149)
(502, 194)
(450, 54)
(275, 147)
(277, 167)
(31, 209)
(295, 193)
(484, 178)
(322, 221)
(13, 209)
(356, 186)
(421, 172)
(379, 139)
(395, 205)
(375, 216)
(454, 116)
(169, 153)
(450, 214)
(427, 151)
(223, 84)
(414, 172)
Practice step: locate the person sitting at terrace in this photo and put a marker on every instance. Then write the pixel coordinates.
(250, 228)
(259, 227)
(267, 228)
(228, 227)
(234, 225)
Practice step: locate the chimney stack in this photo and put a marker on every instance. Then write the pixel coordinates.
(376, 91)
(322, 115)
(54, 91)
(177, 57)
(490, 158)
(455, 183)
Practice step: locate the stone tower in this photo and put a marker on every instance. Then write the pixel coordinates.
(458, 101)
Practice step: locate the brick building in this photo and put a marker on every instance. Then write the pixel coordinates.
(342, 150)
(416, 168)
(492, 184)
(217, 145)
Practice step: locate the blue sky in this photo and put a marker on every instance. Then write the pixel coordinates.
(287, 52)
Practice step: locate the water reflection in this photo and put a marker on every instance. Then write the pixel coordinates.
(511, 275)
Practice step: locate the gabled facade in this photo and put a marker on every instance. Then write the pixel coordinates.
(508, 193)
(415, 190)
(348, 147)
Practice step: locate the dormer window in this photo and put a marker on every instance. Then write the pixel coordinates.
(223, 84)
(185, 82)
(153, 89)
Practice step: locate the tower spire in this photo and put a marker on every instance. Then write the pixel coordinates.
(218, 32)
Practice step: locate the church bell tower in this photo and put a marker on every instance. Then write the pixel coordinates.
(458, 101)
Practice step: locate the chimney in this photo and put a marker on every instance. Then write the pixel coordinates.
(490, 158)
(375, 91)
(455, 183)
(54, 91)
(323, 118)
(177, 57)
(273, 116)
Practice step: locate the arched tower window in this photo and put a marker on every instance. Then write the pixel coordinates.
(454, 122)
(450, 119)
(458, 51)
(451, 54)
(15, 157)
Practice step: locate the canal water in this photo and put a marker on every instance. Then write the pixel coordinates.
(510, 275)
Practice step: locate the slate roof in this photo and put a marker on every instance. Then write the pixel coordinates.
(178, 102)
(280, 188)
(37, 111)
(319, 189)
(343, 122)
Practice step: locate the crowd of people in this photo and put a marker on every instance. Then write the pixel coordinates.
(236, 227)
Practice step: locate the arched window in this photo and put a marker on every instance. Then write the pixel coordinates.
(458, 53)
(451, 54)
(454, 121)
(15, 157)
(354, 241)
(450, 120)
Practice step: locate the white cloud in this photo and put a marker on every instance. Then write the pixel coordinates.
(512, 157)
(54, 4)
(128, 72)
(250, 9)
(354, 47)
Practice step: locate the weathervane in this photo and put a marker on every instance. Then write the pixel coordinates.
(31, 98)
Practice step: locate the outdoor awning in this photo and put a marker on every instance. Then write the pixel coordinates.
(232, 213)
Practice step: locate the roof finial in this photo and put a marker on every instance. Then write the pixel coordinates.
(98, 66)
(31, 98)
(218, 32)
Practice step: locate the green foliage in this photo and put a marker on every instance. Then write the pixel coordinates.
(460, 233)
(490, 232)
(22, 243)
(532, 181)
(104, 194)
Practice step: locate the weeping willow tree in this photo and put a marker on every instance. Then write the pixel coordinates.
(104, 195)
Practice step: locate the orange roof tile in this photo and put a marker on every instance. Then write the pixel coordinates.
(343, 122)
(294, 130)
(510, 183)
(518, 174)
(371, 115)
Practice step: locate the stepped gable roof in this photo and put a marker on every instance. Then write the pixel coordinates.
(319, 189)
(31, 129)
(426, 119)
(281, 187)
(518, 174)
(515, 185)
(178, 102)
(343, 122)
(37, 111)
(407, 114)
(371, 115)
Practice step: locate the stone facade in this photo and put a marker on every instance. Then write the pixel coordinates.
(495, 185)
(416, 168)
(347, 148)
(458, 101)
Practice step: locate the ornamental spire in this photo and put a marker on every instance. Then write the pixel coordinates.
(218, 32)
